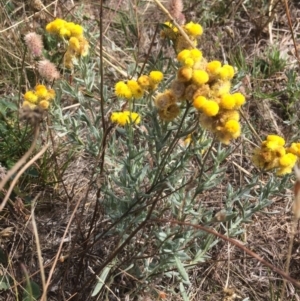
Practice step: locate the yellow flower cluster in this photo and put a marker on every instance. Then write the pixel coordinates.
(193, 30)
(122, 118)
(77, 44)
(207, 86)
(41, 97)
(272, 155)
(136, 88)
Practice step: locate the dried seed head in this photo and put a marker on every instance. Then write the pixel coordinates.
(32, 116)
(34, 43)
(175, 10)
(48, 70)
(37, 4)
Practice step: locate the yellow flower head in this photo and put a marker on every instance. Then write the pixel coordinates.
(144, 81)
(277, 139)
(239, 99)
(183, 55)
(64, 32)
(283, 171)
(68, 59)
(288, 160)
(156, 76)
(44, 104)
(214, 67)
(233, 128)
(75, 29)
(294, 149)
(74, 44)
(31, 97)
(189, 62)
(41, 91)
(199, 102)
(200, 77)
(55, 26)
(122, 90)
(114, 116)
(226, 72)
(227, 102)
(125, 117)
(184, 74)
(193, 29)
(84, 46)
(136, 90)
(210, 108)
(132, 117)
(196, 54)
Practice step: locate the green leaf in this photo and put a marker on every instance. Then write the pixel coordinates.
(183, 292)
(4, 283)
(102, 279)
(182, 270)
(32, 291)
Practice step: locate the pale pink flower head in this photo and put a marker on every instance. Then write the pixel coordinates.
(175, 9)
(48, 70)
(34, 43)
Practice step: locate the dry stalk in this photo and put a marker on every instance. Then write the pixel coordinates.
(16, 178)
(37, 240)
(45, 288)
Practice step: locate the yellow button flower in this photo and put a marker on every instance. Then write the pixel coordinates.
(122, 90)
(233, 127)
(184, 74)
(156, 76)
(277, 139)
(31, 97)
(41, 91)
(294, 149)
(239, 99)
(44, 104)
(193, 29)
(199, 102)
(210, 108)
(214, 67)
(200, 77)
(288, 159)
(136, 90)
(227, 102)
